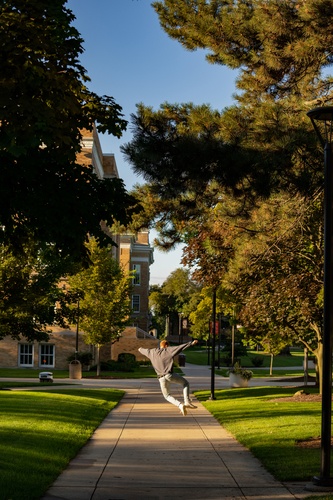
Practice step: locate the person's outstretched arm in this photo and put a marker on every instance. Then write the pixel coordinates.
(179, 348)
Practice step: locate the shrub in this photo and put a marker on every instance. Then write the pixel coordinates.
(257, 361)
(144, 362)
(129, 360)
(243, 372)
(227, 360)
(85, 358)
(127, 357)
(239, 349)
(118, 366)
(126, 363)
(104, 367)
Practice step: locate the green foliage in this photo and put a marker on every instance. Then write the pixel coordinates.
(257, 361)
(180, 141)
(29, 290)
(235, 34)
(105, 305)
(239, 348)
(242, 187)
(282, 279)
(127, 357)
(85, 358)
(238, 370)
(44, 105)
(125, 363)
(180, 287)
(174, 296)
(119, 370)
(128, 360)
(38, 443)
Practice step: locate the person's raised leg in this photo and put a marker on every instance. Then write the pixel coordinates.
(178, 379)
(165, 388)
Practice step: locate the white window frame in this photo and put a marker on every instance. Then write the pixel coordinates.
(26, 354)
(136, 303)
(137, 274)
(47, 353)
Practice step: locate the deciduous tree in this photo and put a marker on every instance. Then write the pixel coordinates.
(29, 291)
(173, 298)
(44, 105)
(105, 307)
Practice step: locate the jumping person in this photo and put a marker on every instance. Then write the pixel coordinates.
(162, 360)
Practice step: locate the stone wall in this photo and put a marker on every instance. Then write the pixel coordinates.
(130, 341)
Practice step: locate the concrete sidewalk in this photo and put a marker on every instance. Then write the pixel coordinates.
(145, 449)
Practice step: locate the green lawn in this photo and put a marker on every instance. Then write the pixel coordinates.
(199, 356)
(271, 428)
(51, 427)
(194, 355)
(30, 373)
(40, 432)
(264, 373)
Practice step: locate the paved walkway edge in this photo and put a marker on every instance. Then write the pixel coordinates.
(145, 449)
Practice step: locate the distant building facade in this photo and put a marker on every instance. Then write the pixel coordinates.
(136, 256)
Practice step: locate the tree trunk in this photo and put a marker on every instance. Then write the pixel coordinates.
(98, 371)
(271, 366)
(167, 325)
(319, 366)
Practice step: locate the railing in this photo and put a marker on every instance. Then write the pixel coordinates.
(141, 334)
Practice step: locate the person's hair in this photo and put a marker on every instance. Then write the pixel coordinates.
(164, 344)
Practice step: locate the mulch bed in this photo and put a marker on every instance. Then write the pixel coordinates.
(300, 397)
(310, 443)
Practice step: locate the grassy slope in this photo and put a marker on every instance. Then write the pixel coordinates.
(271, 428)
(40, 432)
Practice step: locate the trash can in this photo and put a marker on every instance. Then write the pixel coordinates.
(46, 377)
(181, 359)
(75, 369)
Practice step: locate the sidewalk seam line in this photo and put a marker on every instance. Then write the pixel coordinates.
(117, 441)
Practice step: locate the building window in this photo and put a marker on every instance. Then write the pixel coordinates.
(136, 303)
(26, 354)
(46, 355)
(137, 274)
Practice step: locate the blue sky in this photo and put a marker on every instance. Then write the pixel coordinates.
(129, 57)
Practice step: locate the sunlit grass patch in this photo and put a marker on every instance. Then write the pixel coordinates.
(40, 432)
(271, 429)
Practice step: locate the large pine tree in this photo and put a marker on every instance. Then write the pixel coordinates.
(246, 157)
(280, 46)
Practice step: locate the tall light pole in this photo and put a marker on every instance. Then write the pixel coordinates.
(180, 327)
(322, 121)
(212, 380)
(77, 328)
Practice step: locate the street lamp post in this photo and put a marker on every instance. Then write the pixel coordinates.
(322, 121)
(212, 381)
(208, 344)
(77, 328)
(180, 328)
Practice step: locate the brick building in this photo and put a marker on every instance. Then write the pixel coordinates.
(136, 255)
(133, 252)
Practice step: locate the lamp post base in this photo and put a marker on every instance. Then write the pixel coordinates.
(325, 482)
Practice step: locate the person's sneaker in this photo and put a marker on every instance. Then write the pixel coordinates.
(182, 409)
(190, 405)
